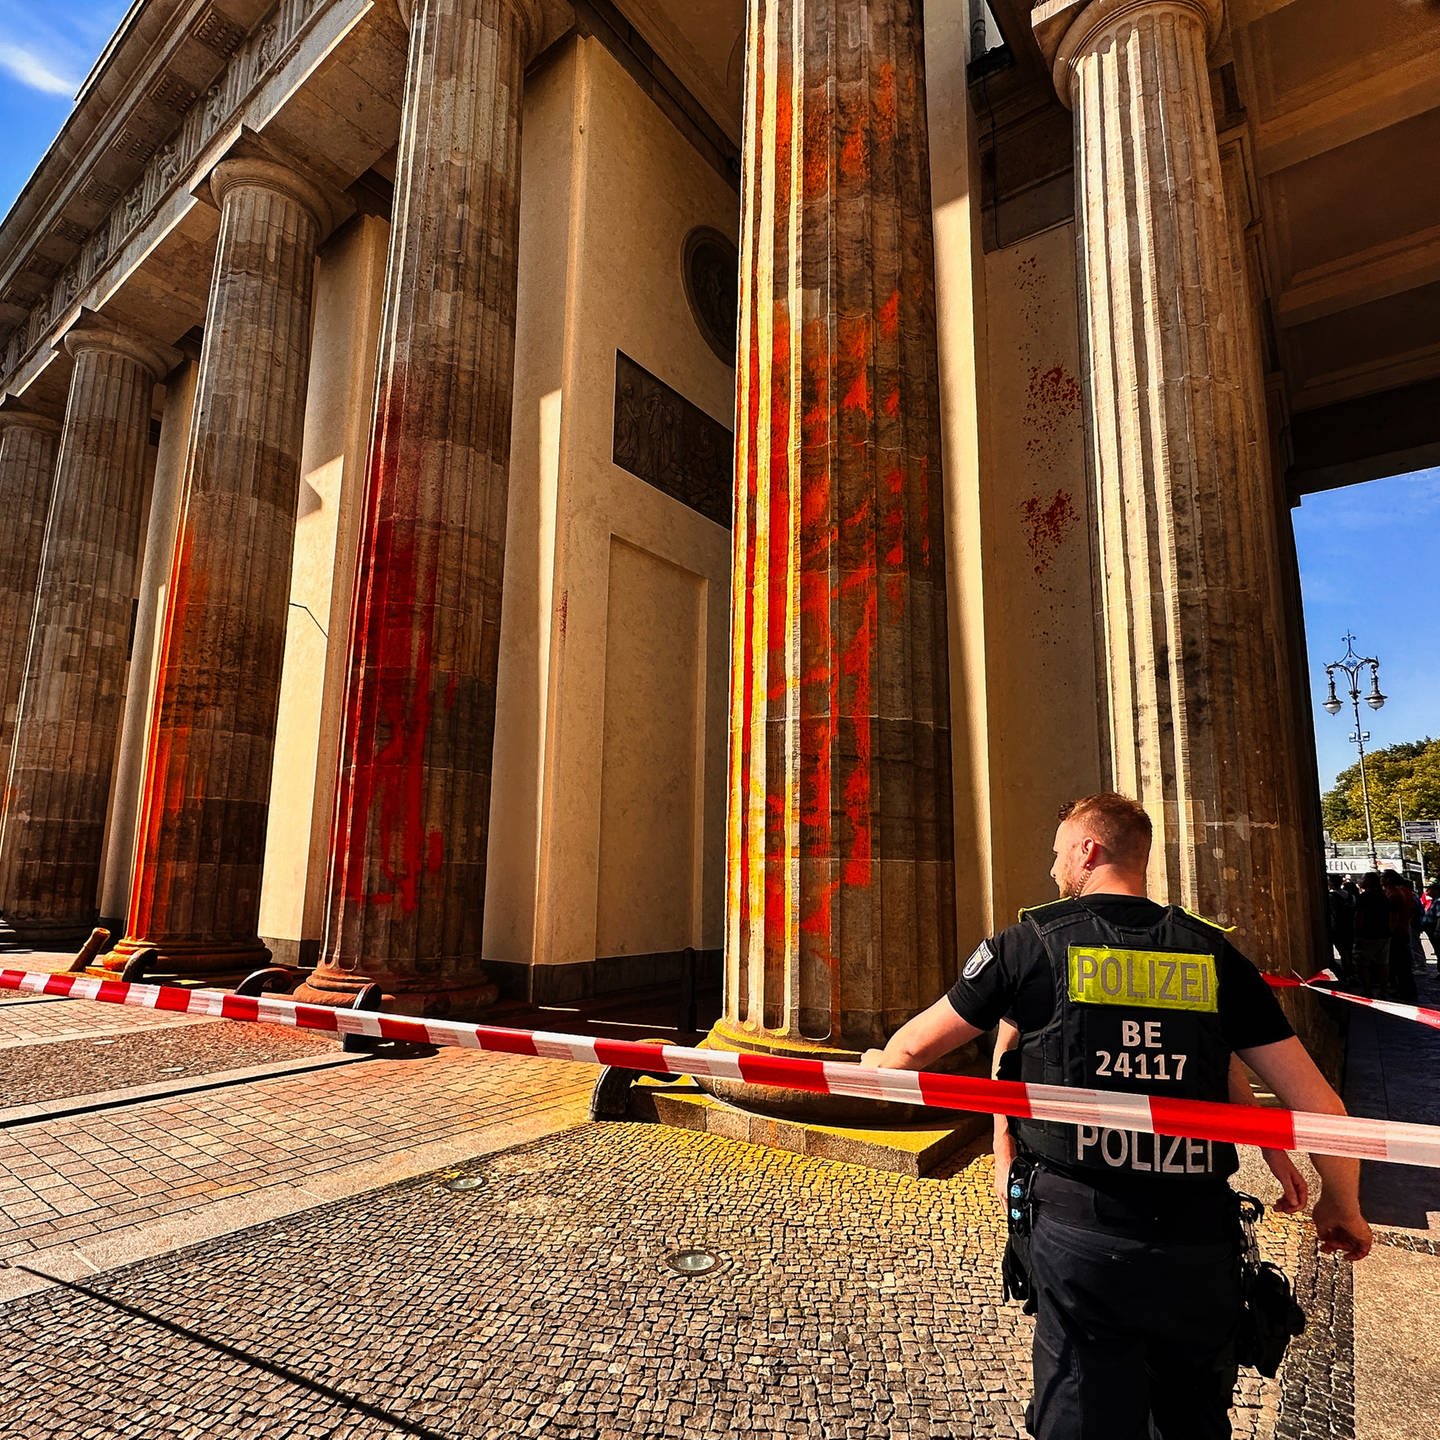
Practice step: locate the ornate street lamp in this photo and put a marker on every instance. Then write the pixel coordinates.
(1351, 664)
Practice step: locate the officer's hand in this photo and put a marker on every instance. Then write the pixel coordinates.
(1004, 1157)
(1342, 1230)
(872, 1059)
(1294, 1191)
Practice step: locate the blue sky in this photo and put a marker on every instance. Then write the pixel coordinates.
(46, 51)
(1369, 554)
(1370, 563)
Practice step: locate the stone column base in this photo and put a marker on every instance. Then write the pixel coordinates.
(437, 1000)
(216, 960)
(51, 934)
(900, 1149)
(806, 1104)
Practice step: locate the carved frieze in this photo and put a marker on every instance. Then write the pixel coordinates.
(250, 60)
(671, 443)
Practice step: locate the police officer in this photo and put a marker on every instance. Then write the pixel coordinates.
(1134, 1248)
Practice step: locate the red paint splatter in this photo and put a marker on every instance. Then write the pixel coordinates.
(167, 755)
(853, 371)
(1055, 389)
(564, 612)
(1052, 407)
(1047, 523)
(815, 165)
(856, 667)
(890, 318)
(885, 112)
(389, 700)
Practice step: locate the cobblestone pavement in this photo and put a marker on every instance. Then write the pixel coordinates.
(90, 1065)
(69, 1181)
(35, 1021)
(847, 1304)
(1394, 1070)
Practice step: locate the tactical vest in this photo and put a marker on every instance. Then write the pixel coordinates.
(1137, 1010)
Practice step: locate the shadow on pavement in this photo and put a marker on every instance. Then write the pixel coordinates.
(351, 1403)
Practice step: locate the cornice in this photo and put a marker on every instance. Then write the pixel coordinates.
(164, 56)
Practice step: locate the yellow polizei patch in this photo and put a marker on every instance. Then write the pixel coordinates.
(1155, 979)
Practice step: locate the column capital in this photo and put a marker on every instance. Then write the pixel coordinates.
(92, 332)
(1066, 30)
(252, 172)
(253, 162)
(529, 12)
(29, 419)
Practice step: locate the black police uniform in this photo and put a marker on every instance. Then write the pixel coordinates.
(1134, 1248)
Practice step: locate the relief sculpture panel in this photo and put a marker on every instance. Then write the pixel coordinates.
(670, 443)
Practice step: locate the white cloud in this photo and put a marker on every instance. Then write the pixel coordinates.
(30, 69)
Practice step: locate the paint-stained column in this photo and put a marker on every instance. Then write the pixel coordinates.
(27, 475)
(196, 890)
(840, 910)
(407, 888)
(1191, 575)
(74, 679)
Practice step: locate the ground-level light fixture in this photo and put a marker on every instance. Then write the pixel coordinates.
(692, 1262)
(463, 1183)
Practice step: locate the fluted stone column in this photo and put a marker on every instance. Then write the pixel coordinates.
(27, 475)
(74, 684)
(407, 887)
(1190, 561)
(840, 910)
(196, 891)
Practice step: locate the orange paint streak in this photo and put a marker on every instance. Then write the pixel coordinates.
(152, 883)
(815, 164)
(890, 318)
(885, 114)
(857, 397)
(380, 817)
(853, 359)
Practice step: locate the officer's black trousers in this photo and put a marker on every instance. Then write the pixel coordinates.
(1131, 1331)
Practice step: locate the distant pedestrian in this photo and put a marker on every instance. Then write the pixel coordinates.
(1417, 926)
(1340, 912)
(1372, 936)
(1398, 908)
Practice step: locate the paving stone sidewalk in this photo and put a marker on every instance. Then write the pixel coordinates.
(92, 1064)
(846, 1304)
(378, 1301)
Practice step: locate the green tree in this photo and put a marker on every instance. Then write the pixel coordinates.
(1407, 776)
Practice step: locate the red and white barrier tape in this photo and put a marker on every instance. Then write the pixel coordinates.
(1322, 982)
(1196, 1119)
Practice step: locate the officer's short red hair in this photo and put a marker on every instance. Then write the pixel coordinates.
(1119, 823)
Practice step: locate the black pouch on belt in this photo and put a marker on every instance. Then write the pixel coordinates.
(1015, 1263)
(1269, 1318)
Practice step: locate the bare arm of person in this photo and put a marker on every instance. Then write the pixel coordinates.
(1294, 1191)
(1286, 1067)
(1007, 1037)
(923, 1039)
